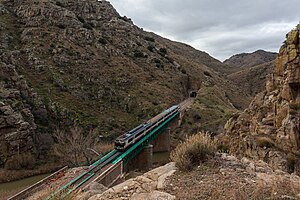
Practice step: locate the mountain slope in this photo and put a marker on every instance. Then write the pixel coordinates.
(66, 62)
(246, 60)
(253, 79)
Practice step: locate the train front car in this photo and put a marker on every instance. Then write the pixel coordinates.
(126, 140)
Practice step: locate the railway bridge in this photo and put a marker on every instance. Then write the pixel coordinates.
(109, 169)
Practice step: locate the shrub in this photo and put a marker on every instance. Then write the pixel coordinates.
(263, 141)
(22, 161)
(81, 19)
(155, 60)
(151, 48)
(138, 54)
(87, 26)
(163, 51)
(126, 19)
(102, 41)
(291, 162)
(196, 149)
(223, 148)
(150, 39)
(206, 73)
(59, 3)
(61, 26)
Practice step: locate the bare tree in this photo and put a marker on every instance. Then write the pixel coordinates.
(73, 146)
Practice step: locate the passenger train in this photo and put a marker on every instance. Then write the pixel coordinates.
(127, 139)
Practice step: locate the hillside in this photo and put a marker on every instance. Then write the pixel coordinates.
(253, 79)
(247, 60)
(66, 62)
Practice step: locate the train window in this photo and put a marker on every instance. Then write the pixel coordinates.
(130, 139)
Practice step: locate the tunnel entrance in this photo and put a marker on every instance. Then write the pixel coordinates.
(193, 94)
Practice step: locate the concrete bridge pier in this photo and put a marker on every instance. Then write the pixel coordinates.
(162, 143)
(142, 161)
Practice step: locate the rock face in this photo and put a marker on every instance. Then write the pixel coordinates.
(17, 124)
(270, 128)
(146, 187)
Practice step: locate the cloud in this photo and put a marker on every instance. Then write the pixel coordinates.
(221, 28)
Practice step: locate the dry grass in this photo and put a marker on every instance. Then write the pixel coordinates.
(46, 193)
(12, 175)
(196, 149)
(6, 194)
(276, 189)
(22, 161)
(207, 183)
(264, 141)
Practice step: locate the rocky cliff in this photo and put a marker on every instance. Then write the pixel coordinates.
(270, 128)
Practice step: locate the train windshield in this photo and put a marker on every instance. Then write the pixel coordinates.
(120, 144)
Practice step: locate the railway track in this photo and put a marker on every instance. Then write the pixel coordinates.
(186, 104)
(86, 177)
(111, 159)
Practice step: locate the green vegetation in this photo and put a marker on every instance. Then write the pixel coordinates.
(139, 54)
(81, 19)
(150, 39)
(163, 51)
(151, 48)
(61, 26)
(102, 41)
(88, 25)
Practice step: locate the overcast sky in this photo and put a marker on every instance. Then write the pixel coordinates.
(220, 27)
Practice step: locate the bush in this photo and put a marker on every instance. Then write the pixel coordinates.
(151, 48)
(126, 19)
(206, 73)
(139, 54)
(163, 51)
(102, 41)
(196, 149)
(61, 26)
(88, 26)
(22, 161)
(59, 3)
(223, 148)
(150, 39)
(81, 19)
(263, 141)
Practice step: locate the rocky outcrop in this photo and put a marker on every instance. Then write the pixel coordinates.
(227, 177)
(270, 128)
(17, 124)
(148, 186)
